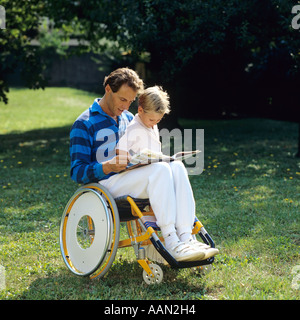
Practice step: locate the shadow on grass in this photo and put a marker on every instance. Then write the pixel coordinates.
(34, 178)
(124, 281)
(31, 140)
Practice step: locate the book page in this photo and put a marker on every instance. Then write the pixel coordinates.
(147, 156)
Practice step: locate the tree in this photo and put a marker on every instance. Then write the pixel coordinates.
(172, 32)
(22, 22)
(25, 22)
(202, 46)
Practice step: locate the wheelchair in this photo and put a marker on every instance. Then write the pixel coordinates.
(90, 235)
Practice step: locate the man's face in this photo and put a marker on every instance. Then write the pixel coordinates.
(120, 100)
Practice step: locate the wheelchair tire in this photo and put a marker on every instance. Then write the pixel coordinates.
(89, 231)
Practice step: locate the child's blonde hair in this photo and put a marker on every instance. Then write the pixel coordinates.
(154, 99)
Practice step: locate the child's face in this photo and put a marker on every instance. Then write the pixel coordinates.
(149, 119)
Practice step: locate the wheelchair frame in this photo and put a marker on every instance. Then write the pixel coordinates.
(88, 260)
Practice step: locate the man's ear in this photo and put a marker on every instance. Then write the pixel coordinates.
(140, 109)
(107, 88)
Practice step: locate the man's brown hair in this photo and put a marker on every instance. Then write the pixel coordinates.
(124, 76)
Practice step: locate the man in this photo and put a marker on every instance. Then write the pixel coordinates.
(107, 116)
(94, 136)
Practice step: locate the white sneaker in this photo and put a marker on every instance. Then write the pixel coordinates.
(184, 252)
(202, 247)
(197, 244)
(210, 252)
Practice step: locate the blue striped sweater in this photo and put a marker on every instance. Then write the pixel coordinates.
(93, 138)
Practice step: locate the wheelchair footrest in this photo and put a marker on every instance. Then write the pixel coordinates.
(174, 263)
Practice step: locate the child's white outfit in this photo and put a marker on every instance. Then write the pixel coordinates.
(138, 137)
(165, 184)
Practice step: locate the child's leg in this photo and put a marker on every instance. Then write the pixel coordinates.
(186, 210)
(185, 203)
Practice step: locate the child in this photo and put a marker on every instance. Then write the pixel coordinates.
(142, 133)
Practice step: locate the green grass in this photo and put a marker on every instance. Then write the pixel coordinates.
(247, 198)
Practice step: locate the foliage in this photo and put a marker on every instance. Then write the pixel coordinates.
(22, 20)
(246, 51)
(174, 32)
(26, 23)
(201, 46)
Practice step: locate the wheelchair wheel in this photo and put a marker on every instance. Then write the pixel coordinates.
(158, 274)
(89, 231)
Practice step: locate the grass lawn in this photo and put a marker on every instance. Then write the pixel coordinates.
(248, 198)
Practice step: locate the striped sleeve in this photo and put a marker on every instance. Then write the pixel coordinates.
(83, 169)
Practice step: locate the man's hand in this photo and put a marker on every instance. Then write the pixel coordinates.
(116, 164)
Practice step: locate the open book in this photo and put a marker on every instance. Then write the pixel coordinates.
(147, 156)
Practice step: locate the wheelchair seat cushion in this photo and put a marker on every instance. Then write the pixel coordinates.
(124, 207)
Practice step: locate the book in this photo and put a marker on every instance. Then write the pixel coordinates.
(147, 156)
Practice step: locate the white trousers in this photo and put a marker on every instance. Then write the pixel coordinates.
(169, 191)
